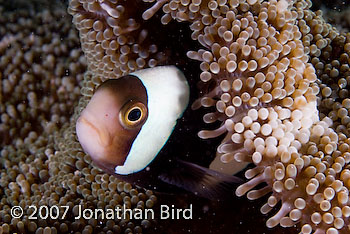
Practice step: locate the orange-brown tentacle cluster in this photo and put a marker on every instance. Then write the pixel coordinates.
(111, 37)
(256, 57)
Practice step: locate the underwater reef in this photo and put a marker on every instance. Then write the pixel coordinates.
(270, 77)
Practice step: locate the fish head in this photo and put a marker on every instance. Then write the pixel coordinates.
(111, 121)
(128, 120)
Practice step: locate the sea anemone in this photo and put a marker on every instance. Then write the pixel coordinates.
(274, 76)
(257, 54)
(41, 67)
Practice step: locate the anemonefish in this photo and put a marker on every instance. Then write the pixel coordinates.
(130, 119)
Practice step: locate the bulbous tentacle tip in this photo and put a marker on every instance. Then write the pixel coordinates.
(241, 190)
(149, 13)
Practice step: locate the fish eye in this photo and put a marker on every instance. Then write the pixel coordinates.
(133, 114)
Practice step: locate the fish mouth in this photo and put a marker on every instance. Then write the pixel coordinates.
(103, 136)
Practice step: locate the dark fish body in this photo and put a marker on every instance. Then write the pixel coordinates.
(128, 125)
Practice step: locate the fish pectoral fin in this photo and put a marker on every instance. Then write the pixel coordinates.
(201, 181)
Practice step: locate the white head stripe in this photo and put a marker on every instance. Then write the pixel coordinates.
(168, 96)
